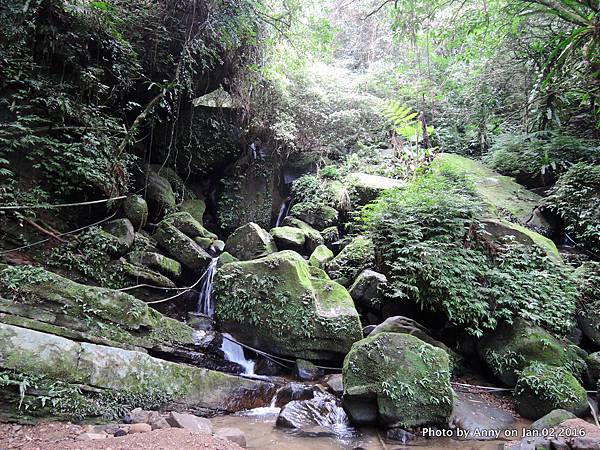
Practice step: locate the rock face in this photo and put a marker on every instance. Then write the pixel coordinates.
(366, 290)
(510, 348)
(542, 388)
(318, 216)
(250, 242)
(112, 368)
(321, 256)
(289, 238)
(276, 304)
(397, 379)
(357, 256)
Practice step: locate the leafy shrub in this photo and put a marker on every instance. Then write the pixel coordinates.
(575, 198)
(427, 243)
(538, 155)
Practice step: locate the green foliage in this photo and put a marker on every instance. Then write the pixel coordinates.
(405, 122)
(426, 237)
(545, 155)
(575, 198)
(13, 277)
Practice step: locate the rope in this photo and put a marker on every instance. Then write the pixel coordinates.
(33, 244)
(137, 286)
(181, 293)
(63, 205)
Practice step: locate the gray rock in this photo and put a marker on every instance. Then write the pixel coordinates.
(317, 216)
(182, 248)
(474, 413)
(190, 422)
(217, 247)
(552, 419)
(366, 290)
(306, 371)
(160, 196)
(289, 238)
(166, 266)
(123, 234)
(135, 209)
(189, 226)
(331, 236)
(294, 391)
(91, 436)
(250, 242)
(232, 434)
(141, 274)
(335, 384)
(138, 428)
(399, 435)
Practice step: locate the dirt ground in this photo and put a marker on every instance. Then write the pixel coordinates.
(61, 436)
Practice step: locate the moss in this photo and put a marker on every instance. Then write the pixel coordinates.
(275, 303)
(357, 256)
(512, 347)
(203, 242)
(409, 379)
(185, 223)
(182, 248)
(313, 237)
(144, 275)
(288, 238)
(195, 207)
(542, 388)
(321, 256)
(250, 242)
(318, 216)
(135, 209)
(161, 263)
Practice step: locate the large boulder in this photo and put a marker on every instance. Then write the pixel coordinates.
(120, 234)
(289, 238)
(114, 369)
(186, 223)
(182, 247)
(317, 215)
(250, 242)
(166, 266)
(552, 419)
(542, 388)
(366, 290)
(135, 209)
(195, 207)
(357, 256)
(312, 237)
(275, 304)
(512, 347)
(588, 310)
(159, 196)
(321, 256)
(397, 379)
(141, 274)
(366, 187)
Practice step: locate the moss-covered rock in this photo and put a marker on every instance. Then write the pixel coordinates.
(250, 242)
(205, 243)
(317, 215)
(169, 174)
(289, 238)
(313, 237)
(512, 347)
(321, 256)
(140, 274)
(182, 248)
(331, 236)
(166, 266)
(542, 388)
(277, 305)
(366, 291)
(405, 381)
(135, 209)
(67, 361)
(185, 223)
(365, 187)
(195, 207)
(588, 308)
(108, 313)
(159, 195)
(357, 256)
(552, 419)
(121, 234)
(226, 258)
(593, 369)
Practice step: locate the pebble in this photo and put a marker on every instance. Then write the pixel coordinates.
(139, 428)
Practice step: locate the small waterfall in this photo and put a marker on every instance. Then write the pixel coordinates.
(235, 353)
(283, 211)
(206, 305)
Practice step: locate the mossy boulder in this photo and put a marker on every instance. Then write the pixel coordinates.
(275, 304)
(512, 347)
(161, 263)
(312, 236)
(250, 242)
(317, 215)
(542, 388)
(182, 248)
(140, 274)
(357, 256)
(169, 174)
(331, 236)
(185, 223)
(397, 379)
(135, 209)
(552, 419)
(205, 243)
(588, 309)
(56, 358)
(366, 187)
(195, 207)
(121, 235)
(366, 291)
(159, 196)
(289, 238)
(321, 256)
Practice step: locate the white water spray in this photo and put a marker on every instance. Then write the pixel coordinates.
(206, 305)
(235, 353)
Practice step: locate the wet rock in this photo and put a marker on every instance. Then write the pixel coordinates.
(166, 266)
(190, 422)
(323, 411)
(321, 256)
(250, 242)
(232, 434)
(475, 413)
(368, 330)
(553, 418)
(200, 322)
(267, 367)
(135, 209)
(366, 290)
(182, 248)
(121, 234)
(137, 428)
(294, 391)
(306, 371)
(399, 435)
(352, 260)
(318, 216)
(542, 388)
(293, 312)
(91, 436)
(289, 238)
(217, 247)
(511, 347)
(335, 384)
(400, 364)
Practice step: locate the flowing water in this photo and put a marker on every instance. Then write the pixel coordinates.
(283, 211)
(206, 305)
(235, 353)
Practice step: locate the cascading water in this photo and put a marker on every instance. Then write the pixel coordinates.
(283, 211)
(235, 353)
(206, 305)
